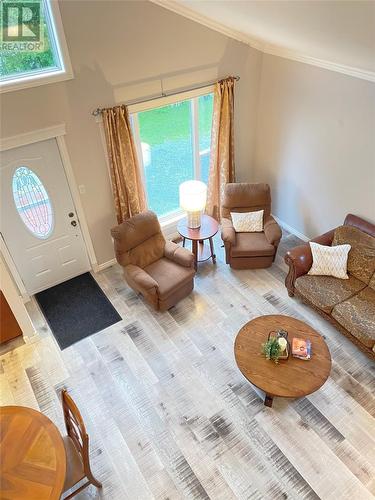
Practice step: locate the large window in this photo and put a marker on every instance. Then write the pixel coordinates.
(173, 143)
(33, 48)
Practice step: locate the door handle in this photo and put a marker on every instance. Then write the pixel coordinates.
(74, 223)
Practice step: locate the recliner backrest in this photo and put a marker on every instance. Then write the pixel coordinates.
(139, 240)
(246, 197)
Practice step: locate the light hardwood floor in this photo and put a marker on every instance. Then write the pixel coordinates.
(169, 414)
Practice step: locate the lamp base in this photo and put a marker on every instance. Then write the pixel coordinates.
(194, 219)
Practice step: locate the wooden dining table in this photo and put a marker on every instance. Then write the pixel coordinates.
(32, 455)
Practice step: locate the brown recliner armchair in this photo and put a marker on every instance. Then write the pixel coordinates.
(249, 250)
(160, 270)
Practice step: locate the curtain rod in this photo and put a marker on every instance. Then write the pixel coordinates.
(97, 111)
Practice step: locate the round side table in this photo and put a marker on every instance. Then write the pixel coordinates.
(209, 227)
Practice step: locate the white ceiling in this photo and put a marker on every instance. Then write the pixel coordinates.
(336, 32)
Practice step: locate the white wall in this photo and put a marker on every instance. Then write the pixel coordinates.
(120, 50)
(315, 144)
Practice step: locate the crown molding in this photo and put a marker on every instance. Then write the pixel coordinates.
(180, 9)
(264, 47)
(320, 63)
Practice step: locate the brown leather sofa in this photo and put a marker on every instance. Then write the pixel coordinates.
(249, 250)
(160, 270)
(347, 304)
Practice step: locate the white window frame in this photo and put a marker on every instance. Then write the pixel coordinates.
(134, 109)
(44, 76)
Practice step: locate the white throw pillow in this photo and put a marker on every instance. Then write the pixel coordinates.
(247, 222)
(329, 261)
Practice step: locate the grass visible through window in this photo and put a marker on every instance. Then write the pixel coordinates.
(166, 135)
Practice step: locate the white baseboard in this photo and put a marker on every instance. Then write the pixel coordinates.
(107, 264)
(291, 229)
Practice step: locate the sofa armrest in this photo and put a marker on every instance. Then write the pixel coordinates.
(326, 238)
(299, 259)
(142, 280)
(272, 231)
(228, 234)
(179, 255)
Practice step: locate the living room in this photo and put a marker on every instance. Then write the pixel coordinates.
(269, 108)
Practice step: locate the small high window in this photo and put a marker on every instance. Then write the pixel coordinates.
(32, 202)
(33, 48)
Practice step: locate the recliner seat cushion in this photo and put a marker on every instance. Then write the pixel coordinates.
(357, 315)
(169, 276)
(252, 245)
(325, 292)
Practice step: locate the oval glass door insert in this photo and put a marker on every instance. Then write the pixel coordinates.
(32, 202)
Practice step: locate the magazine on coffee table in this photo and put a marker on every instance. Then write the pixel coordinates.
(301, 348)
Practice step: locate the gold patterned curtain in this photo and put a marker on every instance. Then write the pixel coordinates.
(222, 146)
(127, 185)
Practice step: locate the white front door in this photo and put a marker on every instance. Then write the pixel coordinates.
(39, 223)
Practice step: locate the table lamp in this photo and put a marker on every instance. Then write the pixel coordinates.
(193, 196)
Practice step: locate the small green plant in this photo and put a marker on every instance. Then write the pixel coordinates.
(271, 349)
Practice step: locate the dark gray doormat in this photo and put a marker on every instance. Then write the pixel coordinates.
(76, 309)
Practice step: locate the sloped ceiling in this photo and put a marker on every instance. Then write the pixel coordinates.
(337, 34)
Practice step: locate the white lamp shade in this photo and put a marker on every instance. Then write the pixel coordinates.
(193, 195)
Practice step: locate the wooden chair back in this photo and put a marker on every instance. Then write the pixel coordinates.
(76, 429)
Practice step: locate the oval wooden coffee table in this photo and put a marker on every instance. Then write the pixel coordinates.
(32, 455)
(292, 378)
(209, 227)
